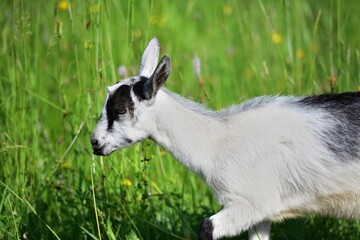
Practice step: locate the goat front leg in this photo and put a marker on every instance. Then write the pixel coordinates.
(230, 221)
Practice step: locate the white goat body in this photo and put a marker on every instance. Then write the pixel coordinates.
(267, 159)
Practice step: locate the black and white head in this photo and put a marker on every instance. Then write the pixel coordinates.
(121, 123)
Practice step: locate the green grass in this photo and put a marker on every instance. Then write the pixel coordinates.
(56, 60)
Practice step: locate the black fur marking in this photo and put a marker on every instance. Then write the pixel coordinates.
(128, 140)
(138, 89)
(146, 88)
(206, 230)
(344, 109)
(119, 103)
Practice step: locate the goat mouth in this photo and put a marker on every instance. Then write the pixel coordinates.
(99, 151)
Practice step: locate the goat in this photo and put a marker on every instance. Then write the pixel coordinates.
(267, 159)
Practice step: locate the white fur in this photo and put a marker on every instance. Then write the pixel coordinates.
(264, 159)
(150, 58)
(261, 164)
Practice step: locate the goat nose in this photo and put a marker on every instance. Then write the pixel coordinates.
(94, 142)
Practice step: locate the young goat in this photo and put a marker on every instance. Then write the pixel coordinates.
(266, 159)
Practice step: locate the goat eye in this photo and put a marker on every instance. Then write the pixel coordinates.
(120, 111)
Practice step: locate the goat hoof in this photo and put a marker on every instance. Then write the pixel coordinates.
(206, 230)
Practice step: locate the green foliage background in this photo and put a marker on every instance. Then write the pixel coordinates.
(57, 57)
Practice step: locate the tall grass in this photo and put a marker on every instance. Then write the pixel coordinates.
(56, 59)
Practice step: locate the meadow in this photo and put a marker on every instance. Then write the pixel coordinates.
(56, 59)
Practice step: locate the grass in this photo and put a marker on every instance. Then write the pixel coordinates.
(56, 59)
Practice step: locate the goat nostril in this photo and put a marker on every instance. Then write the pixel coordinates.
(94, 142)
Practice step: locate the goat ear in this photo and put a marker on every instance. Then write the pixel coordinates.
(150, 58)
(157, 80)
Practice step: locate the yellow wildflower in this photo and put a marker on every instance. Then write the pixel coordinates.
(139, 198)
(126, 183)
(300, 53)
(358, 88)
(276, 38)
(88, 45)
(65, 165)
(158, 20)
(227, 10)
(137, 33)
(63, 5)
(332, 80)
(95, 8)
